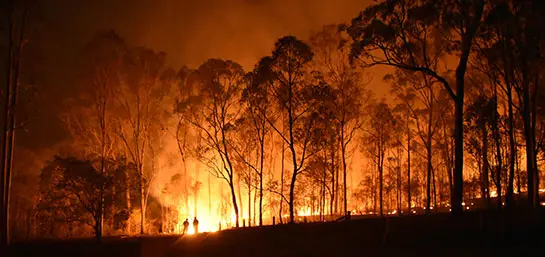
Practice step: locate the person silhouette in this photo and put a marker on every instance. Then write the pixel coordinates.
(186, 226)
(196, 225)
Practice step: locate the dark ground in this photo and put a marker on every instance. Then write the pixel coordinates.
(473, 234)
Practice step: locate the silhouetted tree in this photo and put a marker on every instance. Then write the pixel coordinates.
(17, 19)
(331, 59)
(74, 190)
(378, 138)
(284, 73)
(401, 33)
(214, 112)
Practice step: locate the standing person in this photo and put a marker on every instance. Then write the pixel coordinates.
(196, 225)
(186, 226)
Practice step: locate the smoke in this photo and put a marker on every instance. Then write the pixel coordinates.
(241, 30)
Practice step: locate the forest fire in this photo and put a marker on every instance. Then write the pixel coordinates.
(308, 131)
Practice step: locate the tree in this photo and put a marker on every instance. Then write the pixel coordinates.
(284, 73)
(76, 190)
(378, 138)
(406, 96)
(257, 108)
(331, 58)
(17, 19)
(214, 111)
(423, 115)
(400, 33)
(183, 95)
(91, 118)
(139, 104)
(514, 58)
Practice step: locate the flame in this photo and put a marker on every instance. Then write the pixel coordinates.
(208, 221)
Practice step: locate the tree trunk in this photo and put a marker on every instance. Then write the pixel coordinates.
(458, 178)
(510, 121)
(249, 197)
(408, 166)
(466, 42)
(234, 201)
(343, 157)
(4, 224)
(292, 184)
(486, 165)
(128, 195)
(380, 174)
(142, 201)
(281, 183)
(262, 157)
(530, 148)
(332, 196)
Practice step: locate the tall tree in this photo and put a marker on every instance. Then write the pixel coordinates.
(285, 73)
(139, 106)
(91, 118)
(214, 111)
(424, 115)
(257, 107)
(399, 33)
(514, 54)
(378, 138)
(331, 59)
(17, 19)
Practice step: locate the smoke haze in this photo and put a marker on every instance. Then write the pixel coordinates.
(188, 31)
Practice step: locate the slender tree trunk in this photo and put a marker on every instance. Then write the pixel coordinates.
(380, 174)
(8, 91)
(334, 166)
(240, 199)
(234, 201)
(434, 189)
(142, 200)
(343, 157)
(281, 183)
(408, 166)
(517, 167)
(128, 195)
(262, 157)
(533, 110)
(249, 197)
(292, 185)
(510, 121)
(295, 170)
(332, 196)
(486, 165)
(530, 153)
(12, 121)
(429, 149)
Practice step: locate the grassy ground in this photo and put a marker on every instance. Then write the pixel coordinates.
(473, 234)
